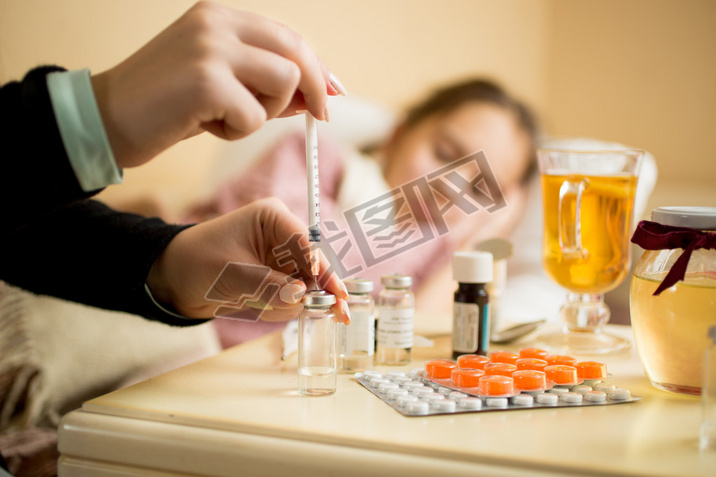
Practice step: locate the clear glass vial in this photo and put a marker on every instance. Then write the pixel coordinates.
(396, 307)
(708, 395)
(356, 342)
(317, 345)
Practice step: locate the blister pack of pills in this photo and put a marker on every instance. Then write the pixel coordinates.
(502, 381)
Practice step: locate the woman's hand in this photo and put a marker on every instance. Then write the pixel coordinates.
(253, 257)
(215, 69)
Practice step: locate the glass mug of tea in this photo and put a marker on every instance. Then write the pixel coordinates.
(588, 200)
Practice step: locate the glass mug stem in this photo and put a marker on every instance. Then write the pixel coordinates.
(570, 229)
(585, 312)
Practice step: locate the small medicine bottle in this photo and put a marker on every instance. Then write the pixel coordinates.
(396, 307)
(356, 342)
(471, 308)
(708, 395)
(317, 345)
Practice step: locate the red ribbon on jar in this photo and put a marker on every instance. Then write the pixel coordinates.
(655, 236)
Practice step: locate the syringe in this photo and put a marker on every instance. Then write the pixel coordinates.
(314, 207)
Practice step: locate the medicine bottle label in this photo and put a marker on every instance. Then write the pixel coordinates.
(395, 328)
(360, 335)
(470, 331)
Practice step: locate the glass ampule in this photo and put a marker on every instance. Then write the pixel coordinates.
(317, 345)
(396, 307)
(356, 342)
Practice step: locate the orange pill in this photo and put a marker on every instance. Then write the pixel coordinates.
(474, 361)
(503, 357)
(560, 359)
(496, 386)
(500, 369)
(529, 380)
(561, 374)
(466, 377)
(591, 370)
(531, 363)
(533, 353)
(439, 368)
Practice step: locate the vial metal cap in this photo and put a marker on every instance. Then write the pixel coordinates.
(318, 299)
(358, 285)
(396, 280)
(702, 218)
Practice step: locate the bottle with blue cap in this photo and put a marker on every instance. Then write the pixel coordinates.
(471, 308)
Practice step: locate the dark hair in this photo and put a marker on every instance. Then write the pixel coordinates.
(449, 98)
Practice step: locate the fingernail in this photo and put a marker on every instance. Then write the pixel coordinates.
(292, 293)
(343, 289)
(346, 312)
(336, 83)
(301, 111)
(326, 115)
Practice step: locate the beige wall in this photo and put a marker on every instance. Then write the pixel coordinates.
(637, 71)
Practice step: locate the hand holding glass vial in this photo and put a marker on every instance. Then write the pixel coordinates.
(317, 345)
(356, 343)
(396, 307)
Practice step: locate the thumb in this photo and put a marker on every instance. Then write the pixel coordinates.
(255, 286)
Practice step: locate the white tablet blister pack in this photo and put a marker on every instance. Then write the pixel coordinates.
(504, 381)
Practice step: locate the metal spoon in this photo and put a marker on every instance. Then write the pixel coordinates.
(512, 333)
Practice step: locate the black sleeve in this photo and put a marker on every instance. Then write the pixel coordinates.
(35, 173)
(89, 253)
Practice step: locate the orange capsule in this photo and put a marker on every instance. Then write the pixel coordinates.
(561, 374)
(503, 357)
(500, 369)
(591, 370)
(474, 361)
(529, 380)
(439, 368)
(533, 353)
(531, 363)
(560, 359)
(496, 386)
(466, 377)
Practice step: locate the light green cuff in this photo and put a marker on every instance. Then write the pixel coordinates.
(82, 130)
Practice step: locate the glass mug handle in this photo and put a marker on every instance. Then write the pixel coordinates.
(570, 228)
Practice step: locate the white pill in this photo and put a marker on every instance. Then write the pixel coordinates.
(417, 372)
(405, 399)
(572, 398)
(445, 405)
(393, 394)
(375, 382)
(595, 396)
(413, 385)
(470, 403)
(547, 398)
(496, 402)
(445, 391)
(417, 407)
(358, 375)
(433, 397)
(394, 374)
(433, 385)
(401, 380)
(522, 400)
(457, 396)
(558, 391)
(604, 387)
(385, 387)
(420, 392)
(619, 394)
(581, 389)
(372, 374)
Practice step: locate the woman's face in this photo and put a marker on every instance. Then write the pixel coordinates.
(441, 139)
